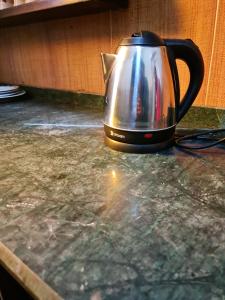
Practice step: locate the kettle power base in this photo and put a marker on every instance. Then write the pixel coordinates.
(139, 141)
(134, 148)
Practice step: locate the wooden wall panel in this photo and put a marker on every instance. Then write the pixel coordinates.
(124, 23)
(182, 19)
(216, 87)
(5, 61)
(64, 54)
(31, 56)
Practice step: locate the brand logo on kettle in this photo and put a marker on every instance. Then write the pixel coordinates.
(117, 135)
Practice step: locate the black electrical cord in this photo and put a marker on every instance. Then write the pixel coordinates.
(179, 141)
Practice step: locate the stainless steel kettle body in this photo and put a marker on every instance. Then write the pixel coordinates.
(142, 105)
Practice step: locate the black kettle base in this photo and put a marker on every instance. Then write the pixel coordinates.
(134, 148)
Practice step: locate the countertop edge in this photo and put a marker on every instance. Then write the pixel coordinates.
(27, 278)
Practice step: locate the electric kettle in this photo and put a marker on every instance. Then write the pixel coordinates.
(142, 101)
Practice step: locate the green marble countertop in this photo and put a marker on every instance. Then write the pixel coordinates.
(96, 224)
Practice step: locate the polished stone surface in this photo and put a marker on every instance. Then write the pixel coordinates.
(94, 223)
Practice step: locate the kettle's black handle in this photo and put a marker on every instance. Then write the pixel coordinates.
(187, 51)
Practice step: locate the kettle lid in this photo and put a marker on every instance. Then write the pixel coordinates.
(143, 38)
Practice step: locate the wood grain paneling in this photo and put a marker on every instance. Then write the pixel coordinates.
(124, 23)
(182, 19)
(75, 49)
(64, 54)
(216, 87)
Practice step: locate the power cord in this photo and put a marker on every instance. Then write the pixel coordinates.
(206, 135)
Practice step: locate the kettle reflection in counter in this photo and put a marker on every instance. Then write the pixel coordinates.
(142, 101)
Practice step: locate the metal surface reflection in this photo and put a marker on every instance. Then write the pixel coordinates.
(142, 75)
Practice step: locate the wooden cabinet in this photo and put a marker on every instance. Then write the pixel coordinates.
(41, 10)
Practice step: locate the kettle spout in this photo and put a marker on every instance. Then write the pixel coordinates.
(107, 64)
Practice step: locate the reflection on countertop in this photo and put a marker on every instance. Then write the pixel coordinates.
(98, 224)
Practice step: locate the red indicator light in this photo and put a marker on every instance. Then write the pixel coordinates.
(148, 136)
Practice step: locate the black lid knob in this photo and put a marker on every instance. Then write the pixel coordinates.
(143, 38)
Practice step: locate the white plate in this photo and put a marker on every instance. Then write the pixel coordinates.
(10, 93)
(12, 96)
(8, 88)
